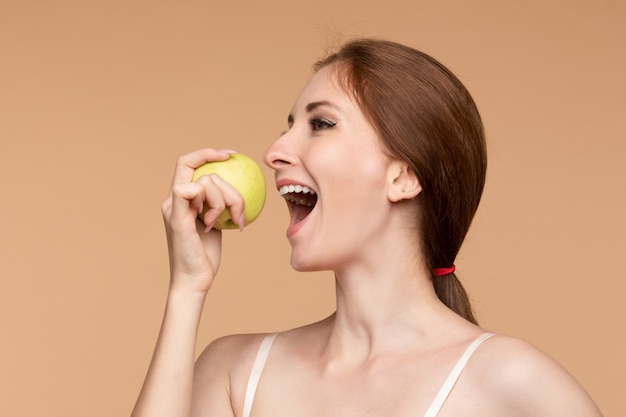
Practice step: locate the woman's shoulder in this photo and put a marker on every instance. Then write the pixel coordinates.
(228, 353)
(234, 354)
(222, 370)
(242, 348)
(512, 361)
(521, 376)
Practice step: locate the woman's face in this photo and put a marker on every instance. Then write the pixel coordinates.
(330, 168)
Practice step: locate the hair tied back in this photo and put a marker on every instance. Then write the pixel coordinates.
(440, 272)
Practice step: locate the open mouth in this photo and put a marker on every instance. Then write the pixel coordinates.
(300, 199)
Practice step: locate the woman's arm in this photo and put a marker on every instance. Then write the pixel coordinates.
(195, 251)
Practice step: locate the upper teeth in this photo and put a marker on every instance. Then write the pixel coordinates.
(295, 189)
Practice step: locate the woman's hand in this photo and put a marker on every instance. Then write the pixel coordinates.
(194, 246)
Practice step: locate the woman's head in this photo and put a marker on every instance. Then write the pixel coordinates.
(424, 116)
(331, 170)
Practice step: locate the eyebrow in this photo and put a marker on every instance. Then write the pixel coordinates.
(312, 106)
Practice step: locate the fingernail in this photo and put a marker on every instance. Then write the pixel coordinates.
(241, 223)
(209, 227)
(228, 151)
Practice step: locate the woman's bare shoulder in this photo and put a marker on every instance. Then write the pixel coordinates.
(239, 350)
(229, 356)
(221, 374)
(524, 378)
(232, 346)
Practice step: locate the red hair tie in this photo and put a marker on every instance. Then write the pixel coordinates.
(439, 272)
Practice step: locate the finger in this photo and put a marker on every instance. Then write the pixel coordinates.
(232, 199)
(213, 199)
(186, 164)
(187, 198)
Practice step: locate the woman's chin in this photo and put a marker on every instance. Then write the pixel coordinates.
(302, 264)
(299, 266)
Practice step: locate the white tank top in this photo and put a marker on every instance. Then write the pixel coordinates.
(433, 410)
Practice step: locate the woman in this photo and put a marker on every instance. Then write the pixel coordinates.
(388, 150)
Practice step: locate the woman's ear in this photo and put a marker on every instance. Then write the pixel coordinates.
(403, 183)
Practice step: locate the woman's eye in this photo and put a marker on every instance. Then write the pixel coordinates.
(321, 124)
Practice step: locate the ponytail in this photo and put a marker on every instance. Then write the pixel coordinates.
(451, 292)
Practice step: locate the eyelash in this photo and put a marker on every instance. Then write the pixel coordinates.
(321, 124)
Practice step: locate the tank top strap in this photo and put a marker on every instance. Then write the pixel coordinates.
(255, 373)
(447, 386)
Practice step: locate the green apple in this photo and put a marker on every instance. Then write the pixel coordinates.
(245, 175)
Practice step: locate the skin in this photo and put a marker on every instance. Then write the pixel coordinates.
(391, 342)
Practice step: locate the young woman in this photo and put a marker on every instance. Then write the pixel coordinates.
(382, 167)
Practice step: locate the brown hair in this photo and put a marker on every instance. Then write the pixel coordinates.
(425, 116)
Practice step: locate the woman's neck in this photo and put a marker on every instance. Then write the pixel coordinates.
(381, 309)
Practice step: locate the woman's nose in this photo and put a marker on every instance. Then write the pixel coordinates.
(279, 154)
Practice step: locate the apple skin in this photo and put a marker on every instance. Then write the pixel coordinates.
(245, 175)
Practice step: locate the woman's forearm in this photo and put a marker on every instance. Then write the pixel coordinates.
(167, 388)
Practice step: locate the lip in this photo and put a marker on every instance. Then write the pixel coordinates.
(293, 229)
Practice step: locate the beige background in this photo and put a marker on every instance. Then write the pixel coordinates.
(97, 99)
